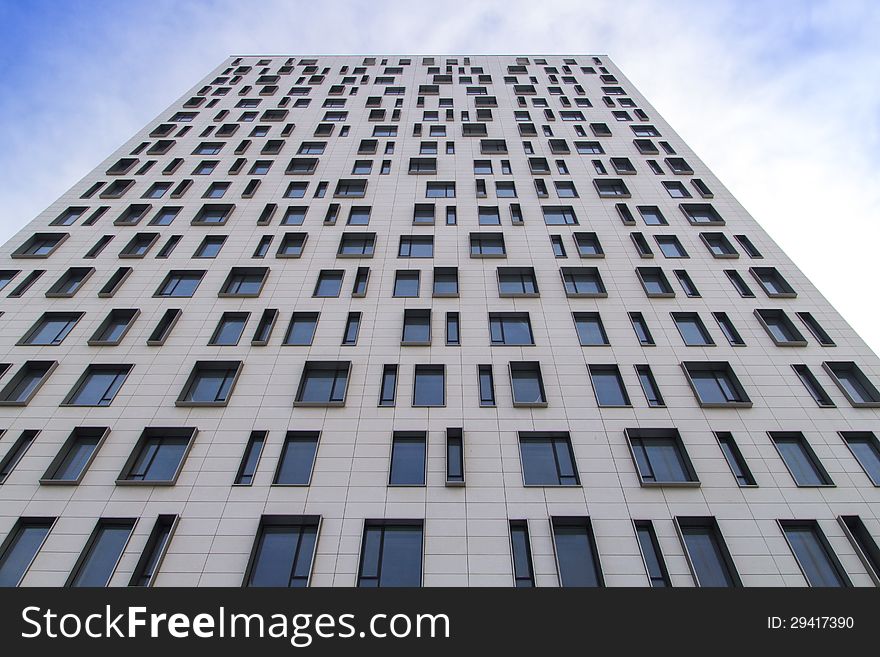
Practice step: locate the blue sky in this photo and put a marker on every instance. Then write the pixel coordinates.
(780, 98)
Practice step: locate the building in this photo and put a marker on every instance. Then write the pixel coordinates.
(478, 321)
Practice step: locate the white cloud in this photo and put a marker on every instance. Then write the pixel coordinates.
(779, 99)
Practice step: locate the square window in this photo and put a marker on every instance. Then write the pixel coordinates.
(406, 283)
(323, 383)
(429, 385)
(408, 458)
(158, 456)
(590, 330)
(98, 385)
(661, 458)
(547, 459)
(715, 385)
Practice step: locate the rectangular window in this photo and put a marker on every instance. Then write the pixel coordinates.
(179, 283)
(728, 329)
(408, 459)
(692, 330)
(75, 455)
(323, 383)
(714, 384)
(210, 383)
(547, 459)
(517, 281)
(229, 329)
(247, 469)
(70, 282)
(329, 283)
(163, 329)
(510, 329)
(576, 555)
(811, 383)
(654, 282)
(738, 283)
(780, 328)
(649, 386)
(301, 330)
(98, 385)
(588, 245)
(264, 327)
(297, 460)
(800, 459)
(210, 246)
(361, 279)
(454, 456)
(487, 385)
(527, 384)
(853, 383)
(50, 329)
(487, 245)
(706, 551)
(22, 387)
(863, 543)
(582, 282)
(352, 328)
(15, 453)
(453, 331)
(21, 547)
(391, 554)
(661, 458)
(816, 329)
(651, 554)
(866, 449)
(283, 551)
(406, 283)
(244, 282)
(416, 327)
(640, 326)
(388, 386)
(416, 246)
(608, 385)
(445, 282)
(158, 456)
(356, 245)
(429, 385)
(559, 215)
(157, 544)
(590, 330)
(521, 552)
(813, 553)
(102, 553)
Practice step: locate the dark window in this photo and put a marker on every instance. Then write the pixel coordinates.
(649, 386)
(25, 383)
(98, 385)
(640, 326)
(20, 548)
(70, 282)
(157, 543)
(429, 385)
(229, 329)
(487, 385)
(560, 215)
(526, 383)
(800, 459)
(517, 281)
(693, 331)
(96, 564)
(210, 383)
(654, 282)
(608, 385)
(510, 329)
(576, 553)
(180, 284)
(813, 553)
(780, 328)
(416, 327)
(352, 328)
(74, 457)
(735, 459)
(357, 245)
(652, 555)
(852, 382)
(547, 459)
(445, 281)
(247, 469)
(406, 283)
(323, 383)
(715, 384)
(772, 282)
(661, 457)
(707, 554)
(297, 458)
(816, 329)
(582, 282)
(454, 456)
(283, 551)
(590, 330)
(158, 456)
(408, 458)
(728, 329)
(391, 554)
(264, 327)
(388, 388)
(244, 282)
(811, 383)
(863, 543)
(865, 447)
(485, 245)
(521, 549)
(16, 452)
(329, 283)
(51, 329)
(416, 246)
(301, 330)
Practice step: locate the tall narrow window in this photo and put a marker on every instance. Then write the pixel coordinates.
(649, 386)
(608, 385)
(576, 553)
(453, 332)
(283, 552)
(640, 326)
(709, 559)
(391, 553)
(738, 466)
(264, 327)
(247, 469)
(408, 459)
(97, 563)
(388, 386)
(297, 459)
(487, 385)
(15, 453)
(728, 329)
(811, 383)
(454, 456)
(864, 544)
(521, 551)
(651, 554)
(20, 548)
(814, 554)
(352, 328)
(800, 459)
(157, 544)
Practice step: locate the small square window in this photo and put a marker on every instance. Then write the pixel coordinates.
(158, 456)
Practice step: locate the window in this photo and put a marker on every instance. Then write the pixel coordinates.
(816, 329)
(15, 453)
(98, 385)
(297, 460)
(588, 245)
(692, 330)
(708, 558)
(416, 246)
(22, 387)
(521, 552)
(562, 215)
(359, 215)
(714, 384)
(283, 551)
(454, 457)
(660, 457)
(780, 328)
(102, 553)
(356, 245)
(728, 329)
(863, 543)
(329, 283)
(611, 188)
(72, 461)
(388, 387)
(510, 329)
(70, 282)
(21, 547)
(488, 216)
(165, 216)
(292, 245)
(429, 385)
(772, 282)
(210, 246)
(440, 190)
(670, 247)
(50, 329)
(294, 215)
(738, 283)
(350, 189)
(408, 458)
(264, 327)
(866, 449)
(608, 385)
(590, 330)
(486, 381)
(719, 246)
(811, 383)
(406, 283)
(651, 554)
(301, 330)
(676, 189)
(244, 282)
(229, 329)
(558, 246)
(640, 326)
(738, 466)
(180, 283)
(582, 282)
(855, 386)
(154, 551)
(576, 555)
(323, 383)
(701, 214)
(814, 554)
(453, 329)
(654, 282)
(649, 386)
(547, 459)
(445, 282)
(416, 327)
(487, 245)
(391, 554)
(158, 456)
(526, 384)
(210, 383)
(517, 281)
(163, 328)
(250, 459)
(800, 459)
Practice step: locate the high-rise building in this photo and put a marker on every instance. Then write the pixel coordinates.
(372, 321)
